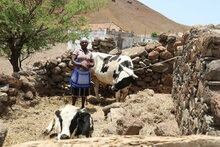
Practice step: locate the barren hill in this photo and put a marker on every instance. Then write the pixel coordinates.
(132, 15)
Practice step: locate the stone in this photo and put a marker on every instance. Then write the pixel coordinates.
(213, 71)
(160, 67)
(160, 49)
(128, 125)
(107, 108)
(150, 47)
(134, 52)
(115, 52)
(167, 128)
(56, 70)
(57, 78)
(12, 81)
(153, 55)
(28, 95)
(115, 114)
(166, 55)
(215, 107)
(3, 133)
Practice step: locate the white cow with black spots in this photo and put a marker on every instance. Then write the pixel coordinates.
(113, 70)
(71, 121)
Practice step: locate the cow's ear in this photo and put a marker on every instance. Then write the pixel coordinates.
(57, 113)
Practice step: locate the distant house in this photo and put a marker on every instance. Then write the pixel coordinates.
(122, 38)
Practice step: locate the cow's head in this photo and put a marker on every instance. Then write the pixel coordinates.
(123, 77)
(124, 83)
(72, 121)
(66, 121)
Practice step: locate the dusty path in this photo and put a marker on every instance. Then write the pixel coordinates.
(6, 68)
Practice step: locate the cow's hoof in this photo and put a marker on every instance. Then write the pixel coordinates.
(46, 132)
(81, 136)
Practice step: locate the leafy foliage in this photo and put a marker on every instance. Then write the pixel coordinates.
(29, 25)
(153, 34)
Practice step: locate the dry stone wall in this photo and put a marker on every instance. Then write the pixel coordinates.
(153, 63)
(196, 83)
(103, 46)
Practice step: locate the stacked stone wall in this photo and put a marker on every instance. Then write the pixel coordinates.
(196, 83)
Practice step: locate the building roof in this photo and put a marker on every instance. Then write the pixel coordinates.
(103, 26)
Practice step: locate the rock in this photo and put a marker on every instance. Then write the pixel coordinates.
(115, 52)
(213, 71)
(136, 60)
(3, 96)
(56, 70)
(3, 108)
(51, 63)
(209, 45)
(134, 52)
(3, 133)
(166, 55)
(57, 78)
(4, 88)
(150, 47)
(163, 38)
(28, 95)
(160, 67)
(128, 125)
(171, 39)
(153, 55)
(160, 49)
(167, 128)
(167, 80)
(39, 64)
(12, 81)
(62, 65)
(215, 107)
(107, 108)
(115, 114)
(16, 75)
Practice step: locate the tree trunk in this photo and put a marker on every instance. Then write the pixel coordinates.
(15, 54)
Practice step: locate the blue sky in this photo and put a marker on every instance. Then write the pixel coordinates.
(188, 12)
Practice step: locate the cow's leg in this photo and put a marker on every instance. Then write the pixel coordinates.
(50, 127)
(124, 94)
(96, 88)
(118, 95)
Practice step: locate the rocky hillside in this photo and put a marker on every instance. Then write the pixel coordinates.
(131, 15)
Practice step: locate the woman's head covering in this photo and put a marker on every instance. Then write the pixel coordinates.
(84, 39)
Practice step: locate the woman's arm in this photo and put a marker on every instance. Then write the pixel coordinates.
(77, 63)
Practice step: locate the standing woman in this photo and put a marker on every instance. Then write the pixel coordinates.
(81, 76)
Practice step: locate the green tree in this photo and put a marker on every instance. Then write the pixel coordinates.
(30, 25)
(153, 34)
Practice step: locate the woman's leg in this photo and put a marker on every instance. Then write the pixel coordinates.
(74, 98)
(83, 101)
